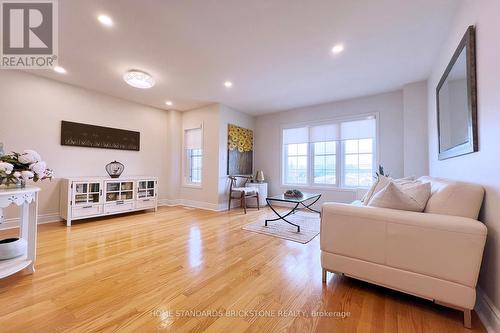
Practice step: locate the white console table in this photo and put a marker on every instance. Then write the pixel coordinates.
(27, 199)
(87, 197)
(262, 188)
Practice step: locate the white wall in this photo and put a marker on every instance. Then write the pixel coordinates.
(205, 196)
(388, 105)
(32, 109)
(480, 167)
(415, 153)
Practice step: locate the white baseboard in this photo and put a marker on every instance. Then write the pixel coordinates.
(191, 203)
(168, 202)
(487, 312)
(42, 218)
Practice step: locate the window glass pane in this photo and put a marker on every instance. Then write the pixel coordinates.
(319, 162)
(351, 178)
(194, 165)
(351, 146)
(302, 177)
(292, 150)
(330, 162)
(330, 147)
(365, 161)
(319, 148)
(366, 146)
(292, 163)
(302, 149)
(324, 177)
(365, 178)
(302, 162)
(351, 162)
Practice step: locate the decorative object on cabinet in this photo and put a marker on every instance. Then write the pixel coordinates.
(456, 100)
(239, 191)
(17, 168)
(262, 189)
(27, 199)
(83, 135)
(115, 169)
(259, 176)
(239, 150)
(88, 197)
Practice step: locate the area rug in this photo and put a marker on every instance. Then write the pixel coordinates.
(309, 227)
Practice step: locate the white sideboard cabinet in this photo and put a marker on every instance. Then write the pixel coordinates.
(88, 197)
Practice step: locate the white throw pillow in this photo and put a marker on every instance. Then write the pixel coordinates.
(379, 183)
(412, 197)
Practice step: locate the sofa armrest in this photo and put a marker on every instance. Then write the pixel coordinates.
(442, 246)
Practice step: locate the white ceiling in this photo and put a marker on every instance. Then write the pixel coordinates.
(277, 53)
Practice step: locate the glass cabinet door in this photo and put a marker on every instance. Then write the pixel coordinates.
(112, 191)
(94, 192)
(127, 191)
(145, 189)
(85, 193)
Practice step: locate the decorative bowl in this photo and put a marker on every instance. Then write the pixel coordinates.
(12, 247)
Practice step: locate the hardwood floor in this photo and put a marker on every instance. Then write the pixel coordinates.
(144, 272)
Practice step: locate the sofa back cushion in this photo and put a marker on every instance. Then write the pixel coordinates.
(450, 197)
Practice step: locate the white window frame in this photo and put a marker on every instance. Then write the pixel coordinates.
(186, 172)
(339, 168)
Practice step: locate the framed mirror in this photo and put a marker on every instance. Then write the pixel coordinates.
(457, 101)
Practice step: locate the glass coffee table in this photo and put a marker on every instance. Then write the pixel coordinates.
(307, 200)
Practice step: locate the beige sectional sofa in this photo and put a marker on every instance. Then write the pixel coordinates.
(434, 255)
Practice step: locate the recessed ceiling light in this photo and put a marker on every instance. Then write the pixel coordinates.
(337, 49)
(60, 70)
(169, 103)
(228, 84)
(139, 79)
(105, 20)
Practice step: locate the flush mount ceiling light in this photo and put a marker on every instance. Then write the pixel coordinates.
(139, 79)
(105, 20)
(337, 48)
(228, 84)
(60, 70)
(169, 103)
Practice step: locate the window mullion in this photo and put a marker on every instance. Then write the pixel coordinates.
(340, 164)
(310, 164)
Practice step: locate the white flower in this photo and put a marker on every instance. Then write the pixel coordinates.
(29, 157)
(49, 173)
(38, 168)
(17, 174)
(27, 175)
(6, 167)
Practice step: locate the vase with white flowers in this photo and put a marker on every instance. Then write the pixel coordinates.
(17, 168)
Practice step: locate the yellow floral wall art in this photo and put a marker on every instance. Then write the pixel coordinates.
(240, 150)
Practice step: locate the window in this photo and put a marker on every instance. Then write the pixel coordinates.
(340, 154)
(296, 163)
(193, 156)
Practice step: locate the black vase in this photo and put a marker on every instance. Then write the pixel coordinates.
(115, 169)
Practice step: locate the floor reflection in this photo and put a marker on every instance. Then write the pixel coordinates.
(195, 245)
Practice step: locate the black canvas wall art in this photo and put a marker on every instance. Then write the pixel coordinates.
(84, 135)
